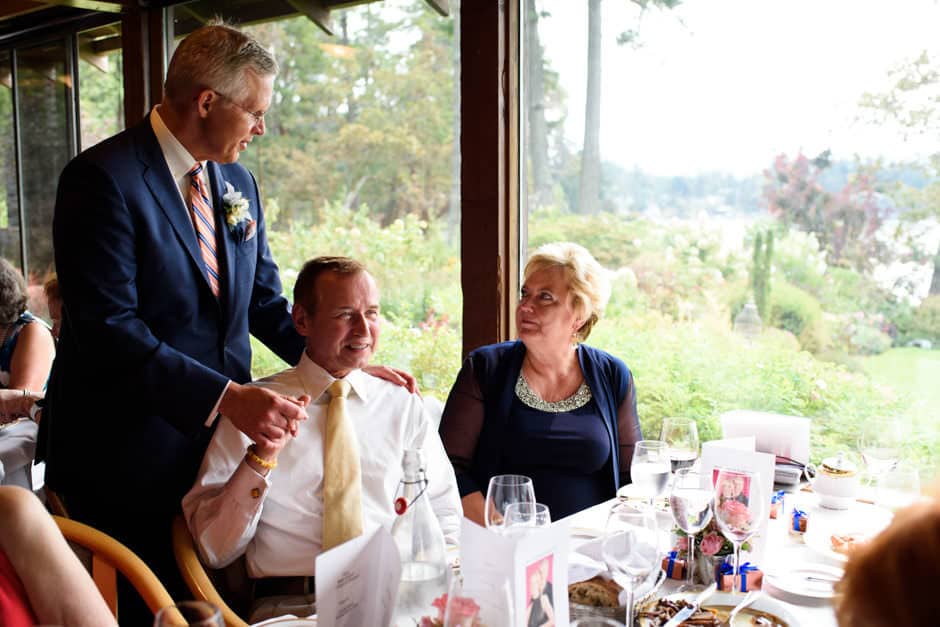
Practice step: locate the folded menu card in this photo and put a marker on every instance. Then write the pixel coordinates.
(357, 581)
(513, 576)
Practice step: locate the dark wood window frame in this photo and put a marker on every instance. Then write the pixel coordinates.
(490, 219)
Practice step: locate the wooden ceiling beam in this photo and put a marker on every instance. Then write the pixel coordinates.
(106, 6)
(318, 11)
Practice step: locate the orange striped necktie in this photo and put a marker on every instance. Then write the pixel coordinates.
(205, 226)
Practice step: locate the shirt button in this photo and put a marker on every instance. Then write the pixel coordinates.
(255, 493)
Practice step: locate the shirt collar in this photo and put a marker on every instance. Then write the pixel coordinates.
(316, 380)
(178, 159)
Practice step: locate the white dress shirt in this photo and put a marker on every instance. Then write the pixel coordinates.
(276, 521)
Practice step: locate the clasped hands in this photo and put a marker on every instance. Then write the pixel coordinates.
(15, 403)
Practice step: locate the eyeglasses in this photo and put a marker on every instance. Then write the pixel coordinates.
(257, 117)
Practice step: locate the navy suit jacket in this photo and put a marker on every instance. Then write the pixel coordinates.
(146, 349)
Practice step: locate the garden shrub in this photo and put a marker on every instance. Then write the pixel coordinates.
(798, 312)
(925, 321)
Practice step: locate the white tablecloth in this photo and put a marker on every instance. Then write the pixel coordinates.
(783, 551)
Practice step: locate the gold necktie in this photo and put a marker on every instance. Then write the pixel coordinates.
(342, 476)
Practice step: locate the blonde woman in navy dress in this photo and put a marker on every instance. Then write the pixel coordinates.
(546, 405)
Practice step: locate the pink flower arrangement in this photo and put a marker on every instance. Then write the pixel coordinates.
(710, 544)
(464, 612)
(735, 514)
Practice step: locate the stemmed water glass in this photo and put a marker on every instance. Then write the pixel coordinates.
(189, 614)
(521, 515)
(630, 548)
(879, 444)
(503, 491)
(650, 468)
(681, 438)
(692, 510)
(739, 510)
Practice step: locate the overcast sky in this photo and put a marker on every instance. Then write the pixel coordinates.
(728, 84)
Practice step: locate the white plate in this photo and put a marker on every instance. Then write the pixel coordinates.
(727, 600)
(289, 621)
(820, 541)
(803, 581)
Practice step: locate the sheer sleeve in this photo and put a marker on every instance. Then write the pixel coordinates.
(461, 424)
(628, 427)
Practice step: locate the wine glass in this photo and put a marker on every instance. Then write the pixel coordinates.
(189, 614)
(502, 492)
(630, 548)
(692, 510)
(879, 444)
(739, 510)
(650, 468)
(899, 487)
(527, 515)
(681, 438)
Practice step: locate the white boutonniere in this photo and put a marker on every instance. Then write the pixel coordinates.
(236, 207)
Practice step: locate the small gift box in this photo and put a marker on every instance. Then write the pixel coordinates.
(798, 520)
(751, 577)
(776, 504)
(674, 566)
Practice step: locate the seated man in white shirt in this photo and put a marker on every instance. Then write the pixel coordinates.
(266, 500)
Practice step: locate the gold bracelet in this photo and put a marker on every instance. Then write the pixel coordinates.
(261, 462)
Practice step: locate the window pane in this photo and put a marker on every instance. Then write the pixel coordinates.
(43, 85)
(10, 247)
(359, 159)
(682, 144)
(101, 84)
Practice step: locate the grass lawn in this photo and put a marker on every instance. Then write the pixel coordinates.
(910, 371)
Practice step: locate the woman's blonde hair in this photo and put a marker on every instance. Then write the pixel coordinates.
(587, 280)
(893, 580)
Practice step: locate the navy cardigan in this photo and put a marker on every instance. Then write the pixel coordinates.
(496, 368)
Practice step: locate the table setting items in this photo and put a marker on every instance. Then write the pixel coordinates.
(879, 444)
(739, 504)
(650, 469)
(503, 491)
(691, 507)
(631, 548)
(189, 614)
(836, 481)
(682, 443)
(686, 612)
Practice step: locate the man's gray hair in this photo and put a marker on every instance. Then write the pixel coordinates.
(216, 56)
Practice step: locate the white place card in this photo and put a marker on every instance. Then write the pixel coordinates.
(357, 581)
(738, 454)
(508, 575)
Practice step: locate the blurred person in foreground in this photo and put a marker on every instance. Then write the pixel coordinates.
(546, 405)
(26, 347)
(42, 582)
(271, 500)
(892, 580)
(165, 270)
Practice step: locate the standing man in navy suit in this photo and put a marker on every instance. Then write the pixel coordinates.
(165, 270)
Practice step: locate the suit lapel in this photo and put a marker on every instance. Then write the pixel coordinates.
(223, 234)
(162, 186)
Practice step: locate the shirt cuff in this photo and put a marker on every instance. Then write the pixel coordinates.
(215, 408)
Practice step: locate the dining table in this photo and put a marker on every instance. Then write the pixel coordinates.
(17, 451)
(787, 555)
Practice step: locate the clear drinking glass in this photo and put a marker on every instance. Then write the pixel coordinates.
(630, 548)
(527, 515)
(189, 614)
(739, 509)
(692, 510)
(681, 438)
(650, 468)
(503, 491)
(879, 444)
(898, 487)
